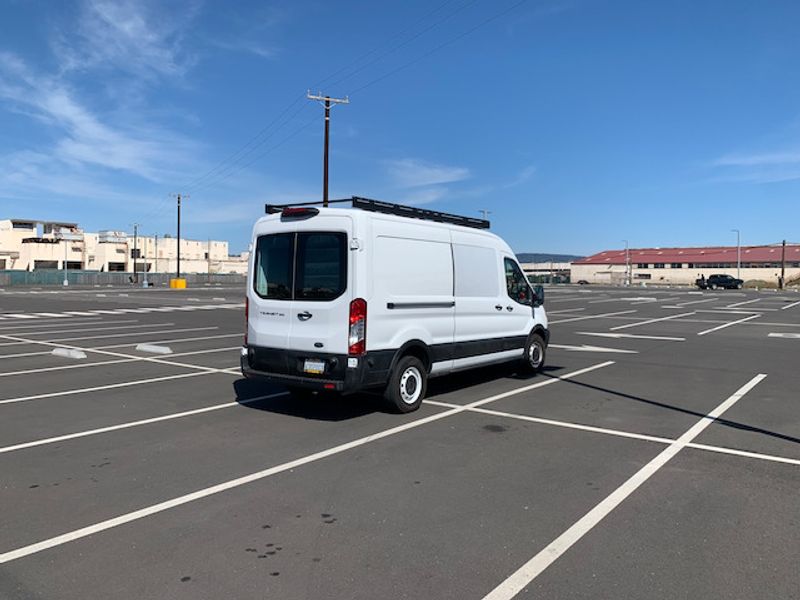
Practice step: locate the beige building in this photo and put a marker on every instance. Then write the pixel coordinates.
(682, 266)
(29, 245)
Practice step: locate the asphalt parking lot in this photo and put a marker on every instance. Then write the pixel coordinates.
(657, 456)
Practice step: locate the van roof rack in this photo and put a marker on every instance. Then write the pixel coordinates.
(392, 209)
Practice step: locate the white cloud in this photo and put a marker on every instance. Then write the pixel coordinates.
(766, 167)
(424, 196)
(85, 137)
(410, 172)
(128, 36)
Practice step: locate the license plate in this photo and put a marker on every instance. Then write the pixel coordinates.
(317, 367)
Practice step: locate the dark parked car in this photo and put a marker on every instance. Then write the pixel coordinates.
(719, 281)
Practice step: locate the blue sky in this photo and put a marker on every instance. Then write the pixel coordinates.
(578, 123)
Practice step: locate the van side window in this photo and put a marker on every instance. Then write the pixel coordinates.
(518, 288)
(273, 265)
(321, 266)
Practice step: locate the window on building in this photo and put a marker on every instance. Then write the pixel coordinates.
(641, 265)
(642, 276)
(676, 265)
(658, 266)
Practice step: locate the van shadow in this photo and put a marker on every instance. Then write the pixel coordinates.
(250, 393)
(466, 379)
(319, 407)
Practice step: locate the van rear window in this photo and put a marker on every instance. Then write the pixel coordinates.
(301, 266)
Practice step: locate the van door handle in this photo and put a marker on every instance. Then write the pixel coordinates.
(509, 308)
(304, 316)
(498, 307)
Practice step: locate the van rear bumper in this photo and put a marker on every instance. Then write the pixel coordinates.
(285, 367)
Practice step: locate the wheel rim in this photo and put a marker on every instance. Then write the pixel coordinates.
(535, 355)
(410, 385)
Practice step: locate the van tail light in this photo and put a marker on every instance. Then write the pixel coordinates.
(357, 340)
(246, 317)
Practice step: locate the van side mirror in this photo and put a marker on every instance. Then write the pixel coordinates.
(538, 295)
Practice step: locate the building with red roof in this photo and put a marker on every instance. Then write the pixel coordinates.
(684, 265)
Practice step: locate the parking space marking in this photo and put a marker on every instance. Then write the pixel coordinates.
(682, 304)
(240, 481)
(600, 316)
(110, 386)
(625, 434)
(664, 338)
(61, 326)
(587, 348)
(724, 325)
(94, 337)
(103, 328)
(108, 362)
(173, 341)
(129, 424)
(566, 310)
(784, 335)
(742, 303)
(648, 321)
(160, 361)
(790, 305)
(515, 583)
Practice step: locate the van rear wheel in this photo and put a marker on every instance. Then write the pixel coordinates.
(407, 385)
(535, 350)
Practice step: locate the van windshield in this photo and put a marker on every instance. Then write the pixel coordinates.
(301, 266)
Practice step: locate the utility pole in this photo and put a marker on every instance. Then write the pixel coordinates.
(179, 196)
(738, 254)
(155, 271)
(627, 265)
(144, 260)
(326, 100)
(135, 251)
(208, 257)
(66, 246)
(783, 264)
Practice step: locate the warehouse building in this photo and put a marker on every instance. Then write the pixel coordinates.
(680, 266)
(31, 245)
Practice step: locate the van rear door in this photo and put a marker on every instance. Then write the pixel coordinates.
(320, 310)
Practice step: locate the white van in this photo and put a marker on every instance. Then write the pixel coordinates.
(383, 296)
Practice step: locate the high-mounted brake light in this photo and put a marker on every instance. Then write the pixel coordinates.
(299, 212)
(357, 340)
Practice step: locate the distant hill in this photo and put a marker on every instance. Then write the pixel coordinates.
(537, 257)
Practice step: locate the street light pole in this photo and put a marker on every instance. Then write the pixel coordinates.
(66, 246)
(738, 254)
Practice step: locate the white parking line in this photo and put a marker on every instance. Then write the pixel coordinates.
(647, 322)
(743, 303)
(724, 325)
(600, 316)
(98, 388)
(514, 584)
(790, 305)
(179, 415)
(625, 434)
(633, 336)
(566, 310)
(94, 337)
(240, 481)
(103, 328)
(785, 335)
(682, 304)
(109, 362)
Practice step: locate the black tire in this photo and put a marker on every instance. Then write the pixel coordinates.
(407, 385)
(535, 354)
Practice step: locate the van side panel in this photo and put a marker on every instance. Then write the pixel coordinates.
(412, 293)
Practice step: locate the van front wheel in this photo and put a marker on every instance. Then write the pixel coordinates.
(535, 350)
(407, 385)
